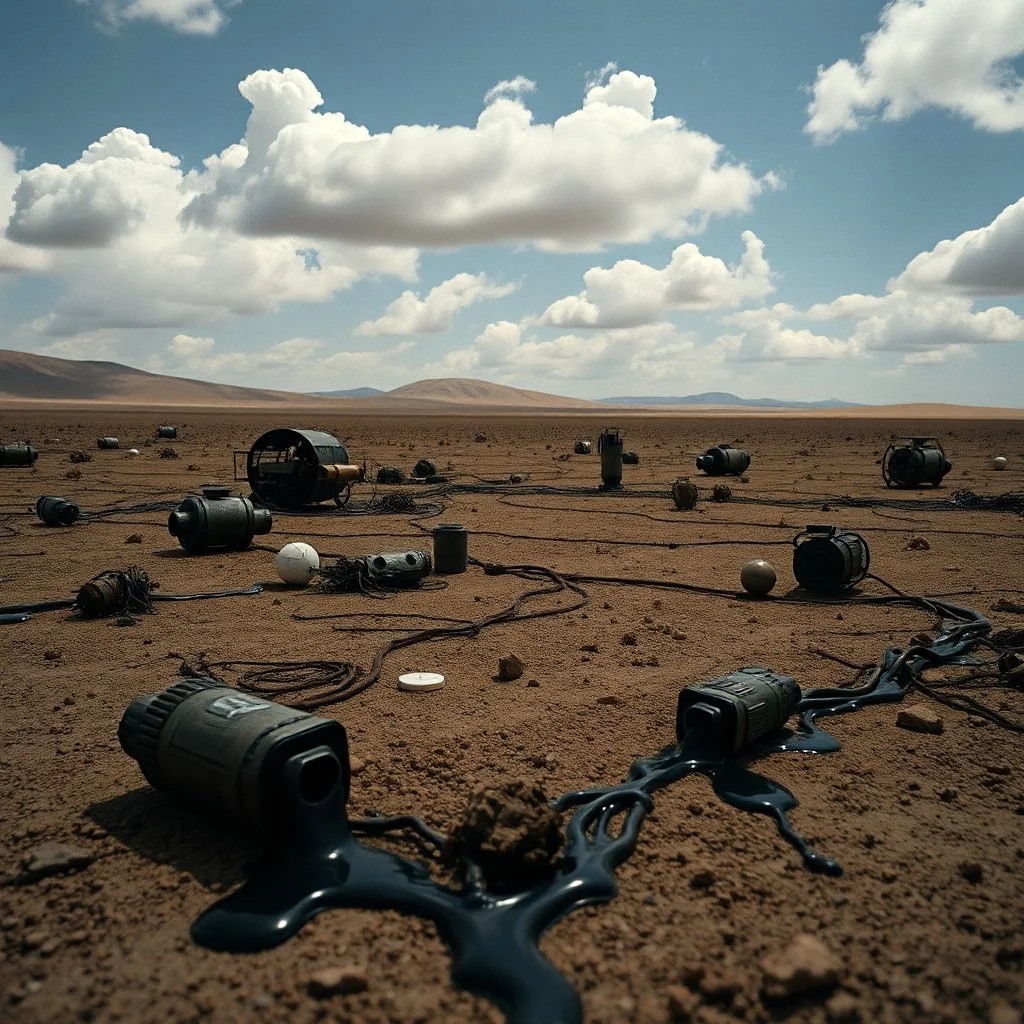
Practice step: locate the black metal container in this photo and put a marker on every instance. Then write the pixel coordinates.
(827, 559)
(102, 595)
(17, 455)
(724, 460)
(291, 468)
(217, 520)
(451, 548)
(609, 447)
(107, 443)
(167, 432)
(398, 568)
(923, 461)
(56, 511)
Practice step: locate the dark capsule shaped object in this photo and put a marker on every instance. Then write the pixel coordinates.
(582, 447)
(609, 447)
(724, 460)
(56, 511)
(290, 468)
(17, 455)
(923, 461)
(398, 568)
(451, 548)
(257, 762)
(731, 712)
(827, 559)
(167, 432)
(217, 520)
(630, 459)
(107, 443)
(104, 594)
(424, 468)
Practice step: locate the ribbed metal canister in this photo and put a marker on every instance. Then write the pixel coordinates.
(451, 548)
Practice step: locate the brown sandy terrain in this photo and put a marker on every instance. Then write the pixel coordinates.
(924, 924)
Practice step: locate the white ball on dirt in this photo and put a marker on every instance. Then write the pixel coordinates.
(133, 451)
(999, 462)
(758, 577)
(297, 562)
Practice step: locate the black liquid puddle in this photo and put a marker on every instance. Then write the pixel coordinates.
(494, 940)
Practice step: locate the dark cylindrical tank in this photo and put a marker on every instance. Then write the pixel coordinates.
(56, 511)
(398, 568)
(217, 520)
(451, 548)
(423, 469)
(582, 447)
(609, 447)
(252, 760)
(735, 710)
(167, 432)
(827, 559)
(102, 595)
(106, 443)
(923, 461)
(724, 460)
(17, 455)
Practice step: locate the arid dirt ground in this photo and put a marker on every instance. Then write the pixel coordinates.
(919, 933)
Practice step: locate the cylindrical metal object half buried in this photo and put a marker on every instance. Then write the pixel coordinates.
(217, 520)
(102, 595)
(735, 710)
(451, 548)
(167, 432)
(398, 568)
(56, 511)
(107, 443)
(827, 559)
(724, 460)
(260, 763)
(17, 455)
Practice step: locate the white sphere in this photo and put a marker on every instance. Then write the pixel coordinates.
(297, 562)
(758, 577)
(999, 462)
(133, 451)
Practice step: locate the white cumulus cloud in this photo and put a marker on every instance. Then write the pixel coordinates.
(631, 293)
(14, 258)
(607, 172)
(409, 314)
(952, 54)
(191, 17)
(984, 261)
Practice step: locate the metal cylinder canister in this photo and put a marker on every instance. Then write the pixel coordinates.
(251, 759)
(582, 447)
(609, 447)
(921, 462)
(827, 559)
(167, 432)
(217, 520)
(735, 710)
(724, 460)
(398, 568)
(102, 595)
(17, 455)
(56, 511)
(107, 443)
(451, 548)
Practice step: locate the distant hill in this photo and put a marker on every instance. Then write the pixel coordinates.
(461, 391)
(726, 398)
(351, 393)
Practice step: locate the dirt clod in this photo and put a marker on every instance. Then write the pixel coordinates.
(511, 833)
(510, 667)
(53, 859)
(333, 981)
(919, 718)
(805, 965)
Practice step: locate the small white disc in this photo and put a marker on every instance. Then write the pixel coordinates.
(421, 681)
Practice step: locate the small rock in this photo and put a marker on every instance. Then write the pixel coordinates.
(682, 1003)
(703, 880)
(509, 668)
(971, 871)
(609, 698)
(532, 682)
(628, 640)
(53, 859)
(919, 718)
(949, 794)
(330, 981)
(806, 965)
(355, 765)
(133, 538)
(1001, 1012)
(842, 1008)
(918, 544)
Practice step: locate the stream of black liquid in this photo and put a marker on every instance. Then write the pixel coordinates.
(494, 939)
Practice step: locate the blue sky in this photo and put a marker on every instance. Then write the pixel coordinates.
(802, 199)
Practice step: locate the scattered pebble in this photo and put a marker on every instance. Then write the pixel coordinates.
(971, 871)
(806, 965)
(133, 538)
(330, 981)
(919, 718)
(509, 668)
(842, 1008)
(53, 859)
(628, 640)
(918, 544)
